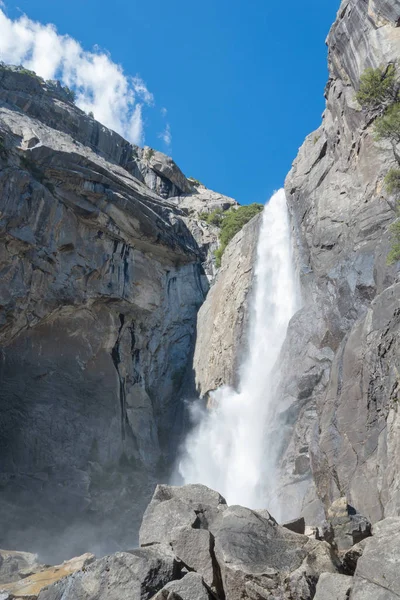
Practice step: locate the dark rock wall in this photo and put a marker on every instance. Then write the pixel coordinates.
(100, 284)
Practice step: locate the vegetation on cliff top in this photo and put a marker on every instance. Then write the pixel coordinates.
(377, 87)
(52, 85)
(230, 222)
(379, 91)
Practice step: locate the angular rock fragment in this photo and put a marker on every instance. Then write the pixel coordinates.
(191, 587)
(296, 525)
(344, 526)
(30, 587)
(377, 572)
(136, 575)
(333, 586)
(17, 565)
(192, 505)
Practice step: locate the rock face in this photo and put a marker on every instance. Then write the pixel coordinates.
(195, 206)
(101, 279)
(340, 362)
(223, 318)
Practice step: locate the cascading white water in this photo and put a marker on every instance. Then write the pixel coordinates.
(228, 449)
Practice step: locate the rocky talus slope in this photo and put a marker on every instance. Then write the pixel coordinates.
(195, 547)
(104, 264)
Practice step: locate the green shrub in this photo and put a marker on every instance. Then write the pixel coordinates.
(213, 218)
(194, 181)
(387, 127)
(392, 181)
(394, 254)
(218, 256)
(32, 74)
(233, 221)
(377, 86)
(70, 94)
(149, 153)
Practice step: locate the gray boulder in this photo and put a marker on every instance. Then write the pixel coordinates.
(191, 587)
(16, 565)
(333, 586)
(191, 505)
(194, 547)
(239, 552)
(136, 575)
(377, 572)
(344, 526)
(257, 556)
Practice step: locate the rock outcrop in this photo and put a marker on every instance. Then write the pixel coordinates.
(195, 547)
(101, 278)
(222, 323)
(30, 582)
(340, 362)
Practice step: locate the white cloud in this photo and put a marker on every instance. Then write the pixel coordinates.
(166, 135)
(164, 111)
(101, 85)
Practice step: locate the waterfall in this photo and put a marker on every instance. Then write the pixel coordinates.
(229, 450)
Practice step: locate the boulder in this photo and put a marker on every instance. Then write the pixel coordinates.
(344, 526)
(30, 587)
(16, 565)
(190, 506)
(136, 575)
(257, 556)
(191, 587)
(333, 586)
(194, 547)
(377, 572)
(164, 166)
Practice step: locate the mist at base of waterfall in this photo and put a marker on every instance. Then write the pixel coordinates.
(231, 447)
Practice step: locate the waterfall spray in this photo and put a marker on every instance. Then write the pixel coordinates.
(228, 449)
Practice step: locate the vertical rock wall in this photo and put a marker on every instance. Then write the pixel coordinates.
(340, 363)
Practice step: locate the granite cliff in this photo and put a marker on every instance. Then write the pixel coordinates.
(343, 390)
(104, 264)
(337, 406)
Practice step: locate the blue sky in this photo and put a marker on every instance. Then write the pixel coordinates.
(242, 82)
